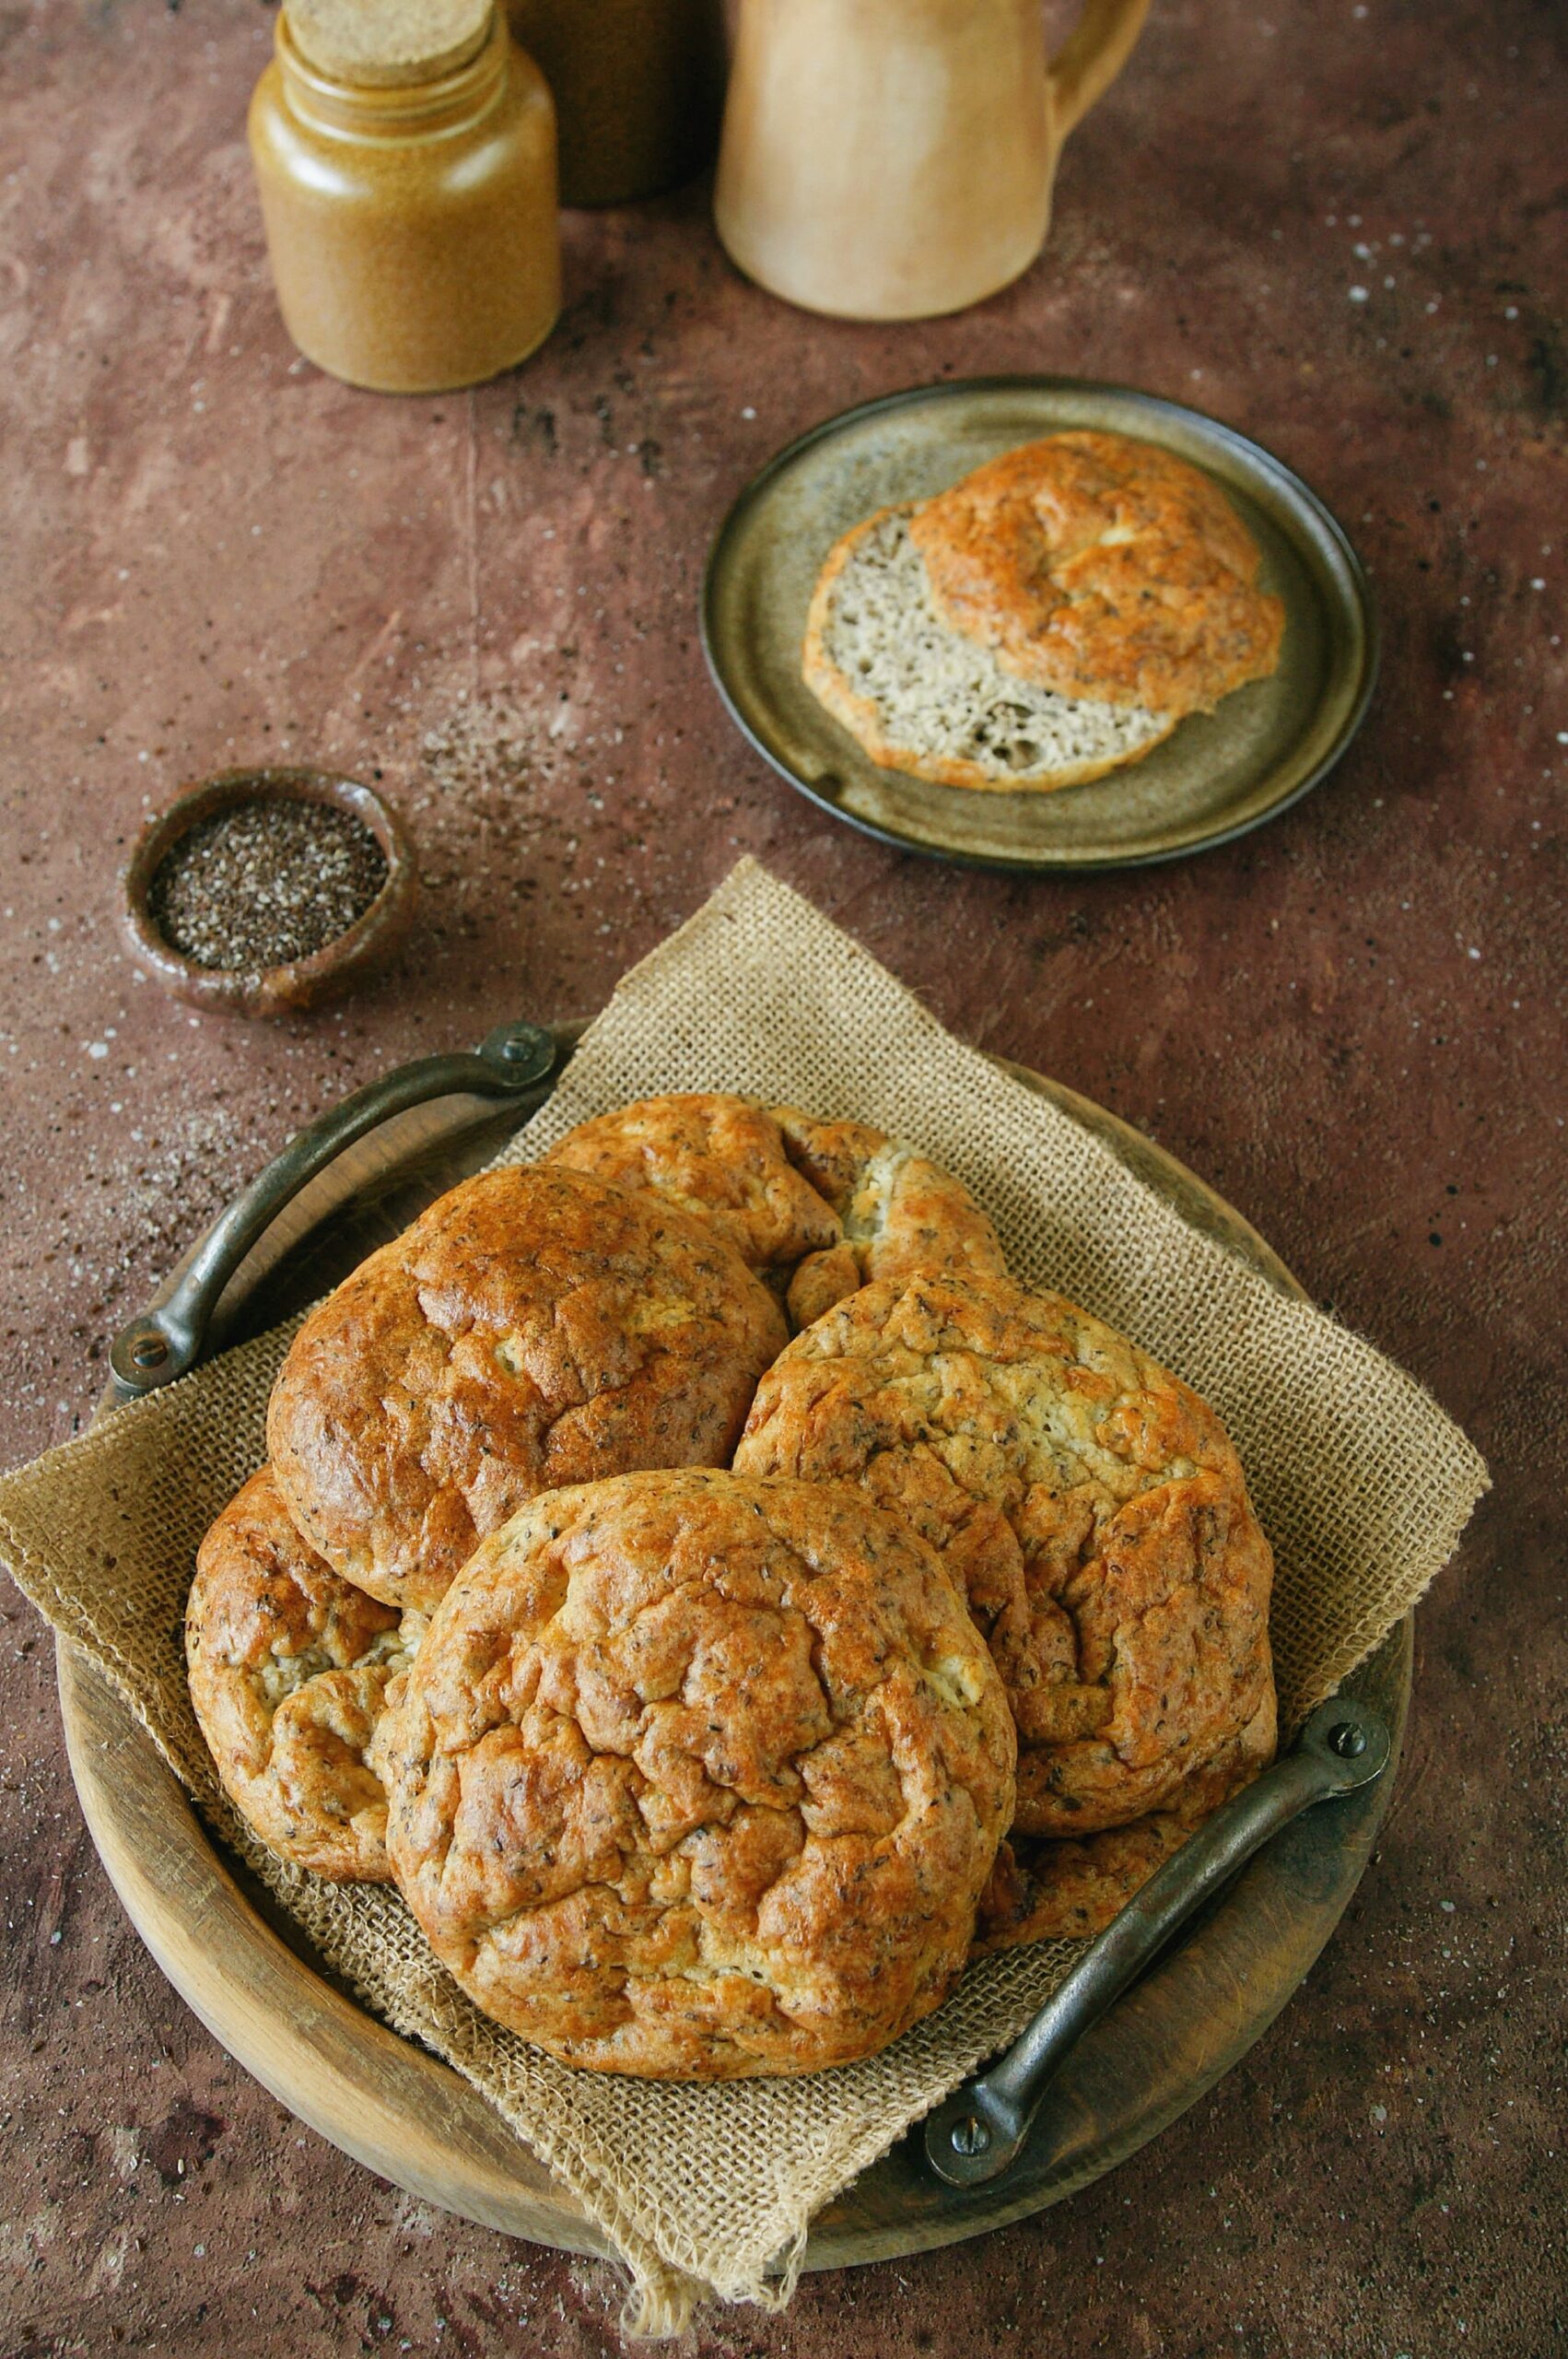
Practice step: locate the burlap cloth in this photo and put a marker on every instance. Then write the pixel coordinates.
(1362, 1482)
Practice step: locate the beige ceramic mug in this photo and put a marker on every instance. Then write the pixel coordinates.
(890, 160)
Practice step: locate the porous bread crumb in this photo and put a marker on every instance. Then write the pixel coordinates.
(924, 698)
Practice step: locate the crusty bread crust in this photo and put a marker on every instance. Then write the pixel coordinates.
(1089, 1501)
(860, 714)
(535, 1326)
(700, 1778)
(715, 1155)
(815, 1208)
(900, 1213)
(289, 1668)
(1104, 567)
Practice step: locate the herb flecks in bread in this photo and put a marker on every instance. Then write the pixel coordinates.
(290, 1668)
(1059, 1888)
(1092, 1504)
(922, 698)
(701, 1778)
(815, 1207)
(535, 1326)
(1050, 618)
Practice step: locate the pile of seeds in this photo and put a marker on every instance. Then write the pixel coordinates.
(262, 883)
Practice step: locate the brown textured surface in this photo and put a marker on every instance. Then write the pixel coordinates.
(397, 42)
(1298, 1015)
(720, 1157)
(1089, 1504)
(900, 1212)
(815, 1207)
(289, 1672)
(700, 1777)
(531, 1328)
(1102, 566)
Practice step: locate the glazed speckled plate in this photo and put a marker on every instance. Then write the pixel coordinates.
(1218, 775)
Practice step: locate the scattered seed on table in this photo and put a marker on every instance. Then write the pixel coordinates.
(264, 883)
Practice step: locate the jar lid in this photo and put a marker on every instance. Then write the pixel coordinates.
(384, 44)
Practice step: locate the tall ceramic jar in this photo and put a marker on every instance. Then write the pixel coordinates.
(890, 160)
(639, 87)
(405, 158)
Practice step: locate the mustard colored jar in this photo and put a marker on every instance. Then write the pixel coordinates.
(406, 156)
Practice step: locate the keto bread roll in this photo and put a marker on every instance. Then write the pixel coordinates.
(1089, 1501)
(815, 1208)
(1059, 1888)
(700, 1778)
(1101, 567)
(1048, 619)
(290, 1670)
(921, 697)
(533, 1327)
(721, 1157)
(900, 1213)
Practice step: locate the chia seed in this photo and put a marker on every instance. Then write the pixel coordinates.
(265, 883)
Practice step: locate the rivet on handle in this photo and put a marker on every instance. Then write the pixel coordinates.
(980, 2130)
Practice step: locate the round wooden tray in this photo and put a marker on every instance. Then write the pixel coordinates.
(248, 1972)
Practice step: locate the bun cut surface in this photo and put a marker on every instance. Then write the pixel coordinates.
(700, 1777)
(920, 694)
(533, 1327)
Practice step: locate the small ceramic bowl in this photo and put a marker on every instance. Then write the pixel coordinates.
(275, 990)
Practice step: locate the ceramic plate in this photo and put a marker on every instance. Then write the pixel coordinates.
(1216, 776)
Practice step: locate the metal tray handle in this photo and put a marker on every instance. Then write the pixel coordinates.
(166, 1342)
(981, 2128)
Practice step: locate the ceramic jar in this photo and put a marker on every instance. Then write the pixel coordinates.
(639, 87)
(890, 160)
(408, 194)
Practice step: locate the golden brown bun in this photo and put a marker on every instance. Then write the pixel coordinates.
(1046, 1888)
(900, 1213)
(816, 1208)
(1089, 1501)
(289, 1672)
(718, 1157)
(936, 702)
(700, 1778)
(533, 1327)
(1103, 568)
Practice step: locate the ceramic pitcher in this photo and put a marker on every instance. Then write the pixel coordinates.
(890, 160)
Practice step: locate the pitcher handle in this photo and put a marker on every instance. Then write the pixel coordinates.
(1092, 56)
